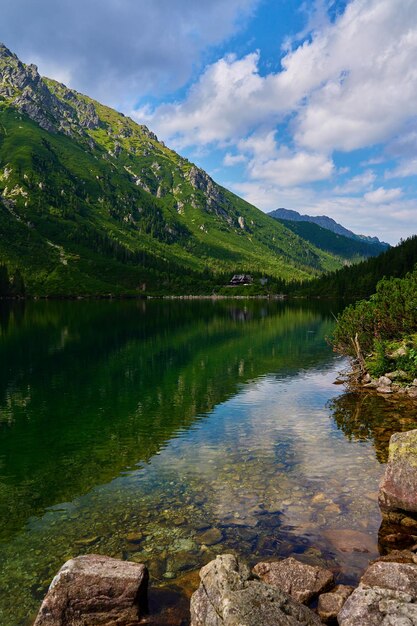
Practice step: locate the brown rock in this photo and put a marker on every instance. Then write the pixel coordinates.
(228, 597)
(397, 556)
(330, 604)
(303, 582)
(398, 488)
(319, 498)
(97, 590)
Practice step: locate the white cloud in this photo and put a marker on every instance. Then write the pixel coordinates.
(404, 169)
(212, 111)
(353, 84)
(230, 160)
(261, 144)
(292, 169)
(357, 183)
(383, 196)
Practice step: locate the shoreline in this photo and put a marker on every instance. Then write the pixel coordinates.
(390, 384)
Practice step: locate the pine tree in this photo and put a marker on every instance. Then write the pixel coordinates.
(4, 281)
(18, 284)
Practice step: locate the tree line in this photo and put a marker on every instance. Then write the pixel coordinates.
(360, 280)
(12, 284)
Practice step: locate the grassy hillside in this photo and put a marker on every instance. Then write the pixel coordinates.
(93, 203)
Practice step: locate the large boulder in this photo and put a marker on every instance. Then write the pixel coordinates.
(228, 596)
(398, 488)
(303, 582)
(387, 596)
(97, 590)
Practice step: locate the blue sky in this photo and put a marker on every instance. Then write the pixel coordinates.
(304, 105)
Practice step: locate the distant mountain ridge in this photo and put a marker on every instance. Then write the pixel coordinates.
(325, 222)
(348, 249)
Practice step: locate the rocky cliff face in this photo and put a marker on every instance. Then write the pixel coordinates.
(25, 89)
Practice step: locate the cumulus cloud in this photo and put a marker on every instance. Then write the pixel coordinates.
(352, 84)
(383, 196)
(119, 50)
(261, 144)
(230, 160)
(213, 111)
(292, 169)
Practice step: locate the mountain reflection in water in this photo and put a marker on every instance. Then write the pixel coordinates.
(169, 431)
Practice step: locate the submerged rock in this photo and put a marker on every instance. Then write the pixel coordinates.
(303, 582)
(228, 597)
(210, 537)
(398, 488)
(348, 540)
(97, 590)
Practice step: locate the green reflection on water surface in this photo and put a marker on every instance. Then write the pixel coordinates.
(168, 432)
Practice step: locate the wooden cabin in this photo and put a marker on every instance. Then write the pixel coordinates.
(241, 279)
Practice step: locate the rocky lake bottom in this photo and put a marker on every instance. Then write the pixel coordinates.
(169, 432)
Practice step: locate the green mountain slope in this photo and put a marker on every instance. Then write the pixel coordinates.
(346, 248)
(93, 203)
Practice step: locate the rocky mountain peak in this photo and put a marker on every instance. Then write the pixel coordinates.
(30, 94)
(5, 52)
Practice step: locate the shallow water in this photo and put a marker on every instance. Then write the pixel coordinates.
(168, 432)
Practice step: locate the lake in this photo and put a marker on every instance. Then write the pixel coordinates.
(167, 432)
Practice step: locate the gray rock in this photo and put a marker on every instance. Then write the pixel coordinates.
(387, 596)
(303, 582)
(384, 389)
(95, 590)
(330, 604)
(228, 597)
(398, 488)
(378, 607)
(395, 576)
(384, 381)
